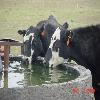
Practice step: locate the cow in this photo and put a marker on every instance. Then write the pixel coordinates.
(81, 45)
(37, 39)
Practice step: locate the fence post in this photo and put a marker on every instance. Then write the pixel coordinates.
(6, 57)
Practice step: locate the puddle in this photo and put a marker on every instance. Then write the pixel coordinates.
(23, 76)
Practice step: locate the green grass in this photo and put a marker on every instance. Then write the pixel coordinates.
(20, 14)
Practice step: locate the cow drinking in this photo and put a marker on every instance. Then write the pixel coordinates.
(81, 45)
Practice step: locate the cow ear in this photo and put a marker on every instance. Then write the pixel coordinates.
(65, 25)
(69, 33)
(22, 32)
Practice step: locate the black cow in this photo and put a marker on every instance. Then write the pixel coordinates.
(37, 39)
(81, 45)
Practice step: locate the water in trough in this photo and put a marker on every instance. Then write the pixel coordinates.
(20, 75)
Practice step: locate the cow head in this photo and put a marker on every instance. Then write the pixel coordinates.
(32, 42)
(27, 42)
(58, 49)
(49, 26)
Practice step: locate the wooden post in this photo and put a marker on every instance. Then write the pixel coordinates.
(6, 57)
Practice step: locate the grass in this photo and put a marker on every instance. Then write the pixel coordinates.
(20, 14)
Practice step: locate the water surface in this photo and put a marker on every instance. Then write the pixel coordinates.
(22, 76)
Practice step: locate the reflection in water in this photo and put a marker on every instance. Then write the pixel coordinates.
(22, 76)
(37, 76)
(0, 79)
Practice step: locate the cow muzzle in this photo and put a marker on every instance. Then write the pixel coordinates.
(45, 63)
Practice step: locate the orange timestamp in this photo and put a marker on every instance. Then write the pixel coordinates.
(76, 90)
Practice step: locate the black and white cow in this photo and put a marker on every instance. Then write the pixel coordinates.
(37, 39)
(80, 44)
(29, 35)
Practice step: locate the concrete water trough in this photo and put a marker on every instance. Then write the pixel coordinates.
(77, 89)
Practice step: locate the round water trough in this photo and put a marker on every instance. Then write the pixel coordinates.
(77, 89)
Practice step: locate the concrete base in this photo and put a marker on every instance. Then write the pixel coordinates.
(78, 89)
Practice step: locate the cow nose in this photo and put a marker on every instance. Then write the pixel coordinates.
(45, 63)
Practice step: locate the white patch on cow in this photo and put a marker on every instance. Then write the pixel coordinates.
(56, 59)
(26, 37)
(32, 51)
(55, 35)
(29, 59)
